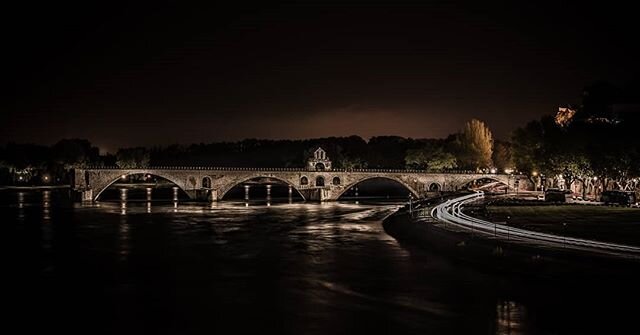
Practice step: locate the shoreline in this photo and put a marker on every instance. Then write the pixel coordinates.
(509, 257)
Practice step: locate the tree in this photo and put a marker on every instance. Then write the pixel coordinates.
(475, 144)
(527, 146)
(430, 157)
(132, 158)
(502, 157)
(387, 152)
(75, 153)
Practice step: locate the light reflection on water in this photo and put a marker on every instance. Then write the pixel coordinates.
(315, 268)
(20, 199)
(123, 238)
(509, 317)
(46, 204)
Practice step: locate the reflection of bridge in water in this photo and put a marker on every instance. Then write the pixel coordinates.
(212, 183)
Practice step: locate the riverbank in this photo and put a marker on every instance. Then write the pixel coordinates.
(506, 256)
(602, 223)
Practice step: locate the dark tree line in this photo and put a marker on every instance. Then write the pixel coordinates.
(591, 148)
(39, 164)
(29, 163)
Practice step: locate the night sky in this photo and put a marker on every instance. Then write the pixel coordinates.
(122, 74)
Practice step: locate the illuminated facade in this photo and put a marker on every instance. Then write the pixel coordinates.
(320, 161)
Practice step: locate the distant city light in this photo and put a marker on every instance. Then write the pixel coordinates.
(534, 173)
(493, 170)
(508, 170)
(123, 177)
(20, 178)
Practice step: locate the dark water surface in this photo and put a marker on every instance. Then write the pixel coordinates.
(156, 268)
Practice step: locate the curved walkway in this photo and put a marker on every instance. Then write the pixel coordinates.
(450, 212)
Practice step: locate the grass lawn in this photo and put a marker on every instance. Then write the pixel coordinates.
(611, 224)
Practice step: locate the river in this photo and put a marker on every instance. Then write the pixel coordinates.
(300, 268)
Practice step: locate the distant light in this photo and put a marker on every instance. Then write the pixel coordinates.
(595, 178)
(534, 173)
(493, 170)
(20, 178)
(123, 177)
(508, 171)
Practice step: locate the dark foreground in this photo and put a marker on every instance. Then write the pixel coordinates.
(297, 269)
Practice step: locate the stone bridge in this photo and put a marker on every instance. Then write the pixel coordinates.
(213, 183)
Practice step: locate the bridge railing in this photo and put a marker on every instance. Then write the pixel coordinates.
(223, 168)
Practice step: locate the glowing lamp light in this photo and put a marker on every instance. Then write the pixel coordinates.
(123, 177)
(20, 178)
(508, 171)
(534, 173)
(493, 170)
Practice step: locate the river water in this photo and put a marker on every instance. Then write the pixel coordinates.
(195, 268)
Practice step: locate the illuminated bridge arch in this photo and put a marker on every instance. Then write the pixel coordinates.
(363, 179)
(104, 183)
(503, 179)
(226, 188)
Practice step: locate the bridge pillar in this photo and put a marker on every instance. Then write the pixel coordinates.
(87, 195)
(325, 194)
(246, 192)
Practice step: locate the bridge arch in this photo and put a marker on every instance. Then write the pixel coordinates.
(397, 180)
(237, 182)
(125, 173)
(435, 187)
(474, 178)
